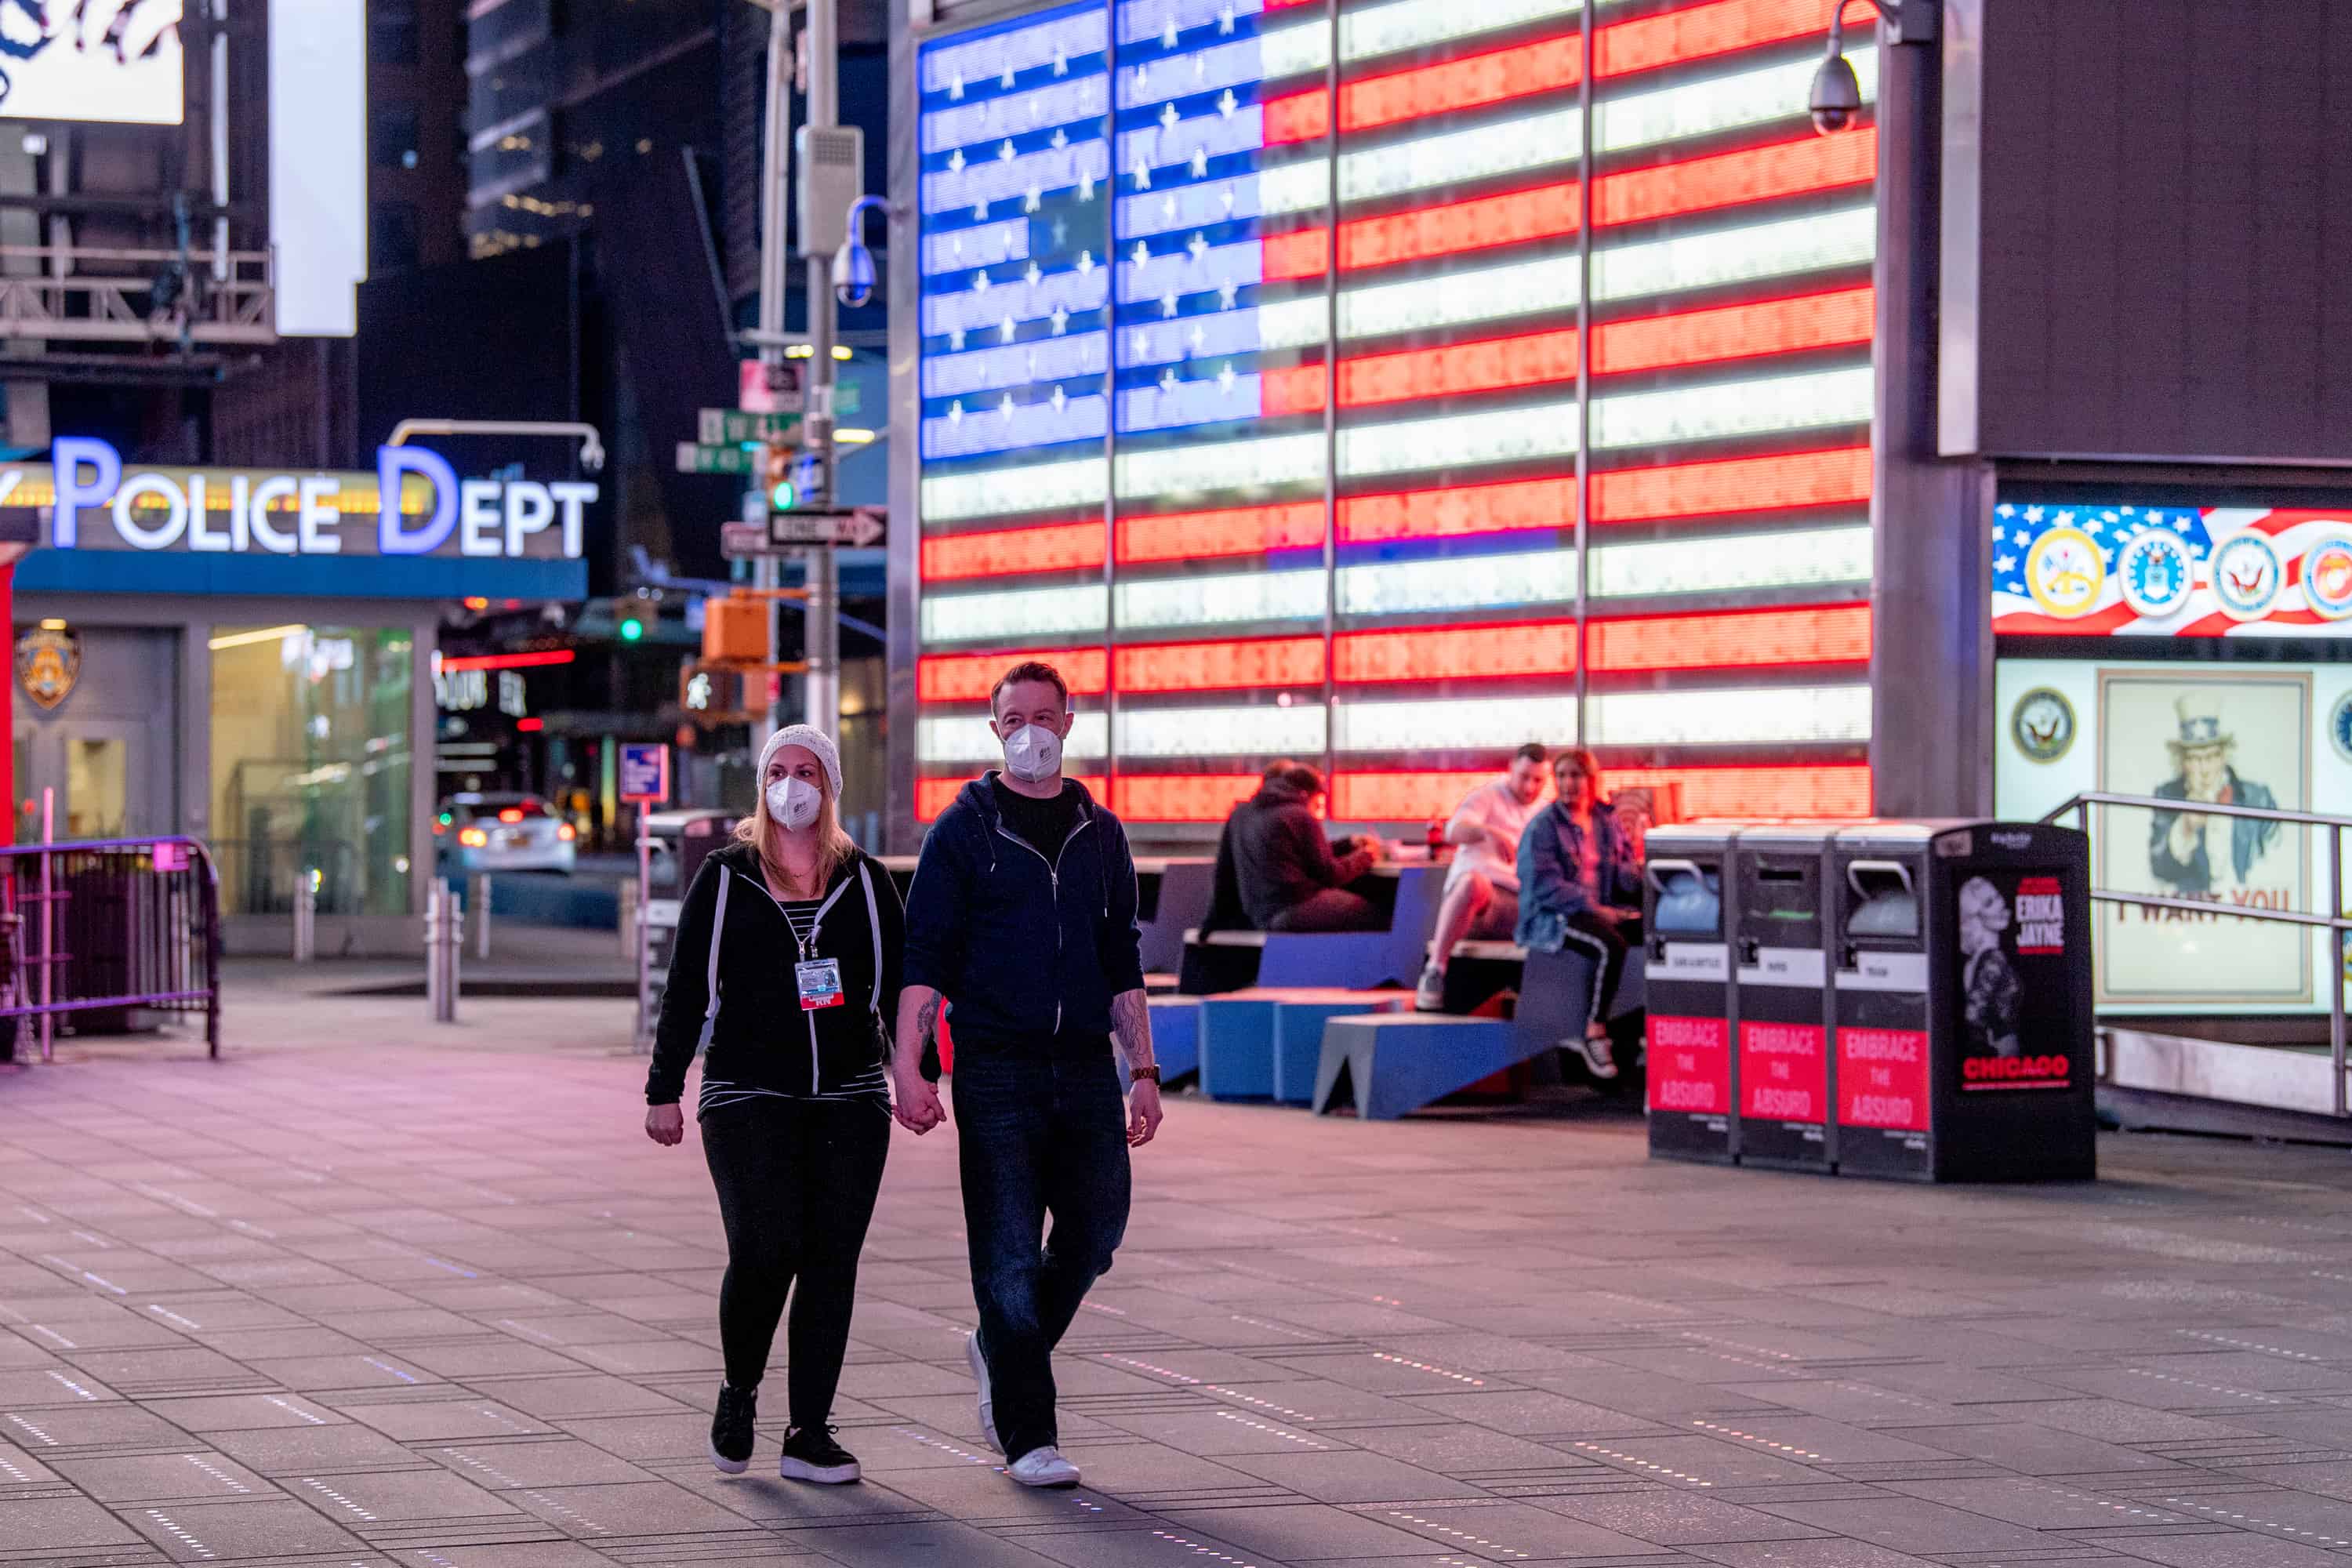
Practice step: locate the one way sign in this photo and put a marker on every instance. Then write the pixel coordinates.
(861, 528)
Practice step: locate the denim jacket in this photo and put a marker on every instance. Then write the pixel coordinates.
(1552, 892)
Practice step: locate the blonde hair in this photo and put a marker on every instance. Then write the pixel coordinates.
(762, 831)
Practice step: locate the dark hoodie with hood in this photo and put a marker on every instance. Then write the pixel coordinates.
(1027, 951)
(1275, 856)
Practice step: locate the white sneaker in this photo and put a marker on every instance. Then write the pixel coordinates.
(1429, 996)
(979, 1365)
(1043, 1467)
(1600, 1060)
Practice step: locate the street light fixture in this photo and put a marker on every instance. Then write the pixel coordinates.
(1836, 96)
(853, 273)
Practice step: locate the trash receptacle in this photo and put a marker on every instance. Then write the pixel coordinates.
(1878, 886)
(1689, 991)
(2009, 1015)
(1780, 976)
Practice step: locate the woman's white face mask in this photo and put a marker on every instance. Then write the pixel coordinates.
(794, 803)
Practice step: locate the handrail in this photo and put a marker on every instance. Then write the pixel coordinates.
(2334, 920)
(2201, 807)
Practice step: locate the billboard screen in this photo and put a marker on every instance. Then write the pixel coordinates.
(2090, 569)
(116, 60)
(1250, 351)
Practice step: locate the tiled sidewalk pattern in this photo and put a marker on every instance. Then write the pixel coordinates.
(404, 1304)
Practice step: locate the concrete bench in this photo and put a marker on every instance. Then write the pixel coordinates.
(1174, 902)
(1226, 960)
(1392, 1064)
(1263, 1043)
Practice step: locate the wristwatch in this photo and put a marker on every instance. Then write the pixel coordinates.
(1144, 1075)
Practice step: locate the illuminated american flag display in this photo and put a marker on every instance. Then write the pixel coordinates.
(1251, 352)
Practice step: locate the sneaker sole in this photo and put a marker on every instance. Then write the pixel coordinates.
(978, 1365)
(1052, 1486)
(823, 1475)
(724, 1465)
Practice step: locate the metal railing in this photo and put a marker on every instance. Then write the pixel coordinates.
(109, 926)
(102, 294)
(2335, 922)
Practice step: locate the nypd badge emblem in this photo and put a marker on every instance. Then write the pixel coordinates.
(48, 663)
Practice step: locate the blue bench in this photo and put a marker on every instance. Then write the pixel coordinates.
(1227, 960)
(1393, 1064)
(1263, 1043)
(1176, 1035)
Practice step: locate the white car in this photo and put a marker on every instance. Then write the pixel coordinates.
(504, 833)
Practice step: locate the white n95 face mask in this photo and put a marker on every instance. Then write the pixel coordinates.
(794, 803)
(1033, 752)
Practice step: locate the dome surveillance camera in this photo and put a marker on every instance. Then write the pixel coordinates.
(853, 274)
(1836, 96)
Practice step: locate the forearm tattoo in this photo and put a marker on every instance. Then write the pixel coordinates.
(1131, 1023)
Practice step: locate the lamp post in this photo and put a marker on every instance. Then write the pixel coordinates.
(1932, 687)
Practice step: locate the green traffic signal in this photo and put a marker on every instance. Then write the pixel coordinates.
(783, 497)
(632, 629)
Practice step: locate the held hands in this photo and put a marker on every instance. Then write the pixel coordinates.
(1142, 1113)
(666, 1124)
(915, 1102)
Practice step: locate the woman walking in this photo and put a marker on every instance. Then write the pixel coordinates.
(786, 964)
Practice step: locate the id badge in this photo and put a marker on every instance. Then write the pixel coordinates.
(820, 984)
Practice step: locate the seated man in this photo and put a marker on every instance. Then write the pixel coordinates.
(1579, 887)
(1275, 871)
(1482, 886)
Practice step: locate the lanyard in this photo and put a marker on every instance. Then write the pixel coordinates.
(807, 944)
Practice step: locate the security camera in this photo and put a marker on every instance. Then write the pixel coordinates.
(853, 273)
(1836, 96)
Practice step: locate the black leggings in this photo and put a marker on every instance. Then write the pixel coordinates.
(796, 1182)
(1608, 945)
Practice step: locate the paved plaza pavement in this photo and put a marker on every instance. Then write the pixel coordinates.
(368, 1292)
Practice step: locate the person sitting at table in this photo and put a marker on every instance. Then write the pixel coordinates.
(1579, 887)
(1276, 871)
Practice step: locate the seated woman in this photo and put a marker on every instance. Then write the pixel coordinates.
(1579, 887)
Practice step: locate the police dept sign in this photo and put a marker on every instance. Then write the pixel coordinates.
(90, 500)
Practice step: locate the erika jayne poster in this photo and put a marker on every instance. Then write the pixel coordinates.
(2243, 739)
(117, 61)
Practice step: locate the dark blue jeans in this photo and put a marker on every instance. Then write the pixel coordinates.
(1039, 1134)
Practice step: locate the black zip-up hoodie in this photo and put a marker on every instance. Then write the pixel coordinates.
(1025, 951)
(733, 940)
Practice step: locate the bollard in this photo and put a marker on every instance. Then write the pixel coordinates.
(444, 938)
(628, 919)
(306, 918)
(479, 905)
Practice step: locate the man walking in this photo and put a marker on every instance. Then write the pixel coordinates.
(1021, 923)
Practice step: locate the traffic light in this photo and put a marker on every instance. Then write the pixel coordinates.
(632, 628)
(776, 477)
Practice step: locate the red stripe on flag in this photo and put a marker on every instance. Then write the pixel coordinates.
(970, 676)
(1460, 510)
(1697, 32)
(1449, 87)
(1239, 531)
(933, 796)
(1183, 797)
(1062, 548)
(1735, 638)
(1733, 179)
(1779, 483)
(1734, 331)
(1802, 790)
(1220, 666)
(1457, 653)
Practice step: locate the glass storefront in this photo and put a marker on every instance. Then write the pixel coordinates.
(311, 766)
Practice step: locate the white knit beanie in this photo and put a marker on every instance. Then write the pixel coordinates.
(828, 757)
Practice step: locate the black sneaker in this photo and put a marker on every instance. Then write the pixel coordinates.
(730, 1428)
(811, 1455)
